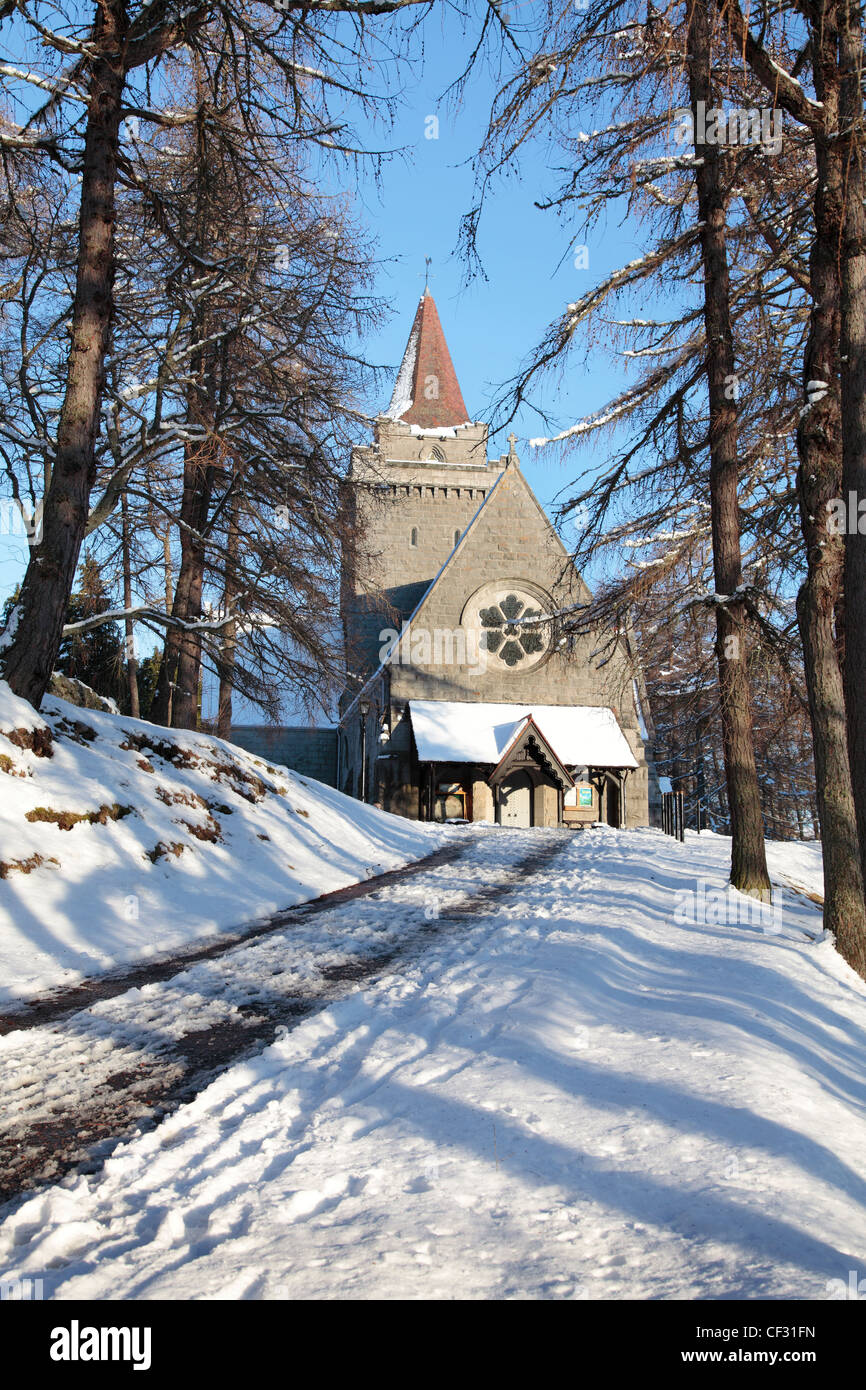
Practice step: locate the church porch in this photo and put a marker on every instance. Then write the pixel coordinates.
(495, 763)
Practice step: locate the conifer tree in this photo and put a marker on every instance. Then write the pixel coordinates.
(93, 655)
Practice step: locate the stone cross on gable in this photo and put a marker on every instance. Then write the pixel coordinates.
(512, 456)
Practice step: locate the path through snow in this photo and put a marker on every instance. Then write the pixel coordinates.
(92, 1075)
(576, 1096)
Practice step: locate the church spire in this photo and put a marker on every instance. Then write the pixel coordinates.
(427, 392)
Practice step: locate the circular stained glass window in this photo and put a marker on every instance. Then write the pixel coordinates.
(514, 631)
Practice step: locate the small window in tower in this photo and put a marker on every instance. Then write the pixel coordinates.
(413, 538)
(457, 535)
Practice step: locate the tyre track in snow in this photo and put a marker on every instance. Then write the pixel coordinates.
(71, 1090)
(71, 999)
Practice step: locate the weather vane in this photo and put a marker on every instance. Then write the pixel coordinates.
(428, 261)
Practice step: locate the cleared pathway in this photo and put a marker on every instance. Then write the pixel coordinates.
(74, 1080)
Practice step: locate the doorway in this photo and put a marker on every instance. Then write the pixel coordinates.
(515, 800)
(451, 802)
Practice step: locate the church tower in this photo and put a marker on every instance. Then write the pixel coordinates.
(414, 491)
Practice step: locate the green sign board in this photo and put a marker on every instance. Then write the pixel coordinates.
(584, 796)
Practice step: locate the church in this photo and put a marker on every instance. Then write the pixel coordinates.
(468, 699)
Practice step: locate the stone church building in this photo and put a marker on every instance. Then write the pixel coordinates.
(466, 700)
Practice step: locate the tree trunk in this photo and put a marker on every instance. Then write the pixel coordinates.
(41, 609)
(224, 711)
(156, 715)
(700, 776)
(186, 693)
(131, 663)
(175, 698)
(748, 858)
(180, 673)
(853, 343)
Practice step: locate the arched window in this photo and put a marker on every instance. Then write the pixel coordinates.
(413, 538)
(457, 535)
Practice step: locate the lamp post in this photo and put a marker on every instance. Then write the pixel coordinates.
(364, 710)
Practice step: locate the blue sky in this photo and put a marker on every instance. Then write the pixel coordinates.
(490, 325)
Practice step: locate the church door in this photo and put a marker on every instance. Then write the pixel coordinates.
(515, 800)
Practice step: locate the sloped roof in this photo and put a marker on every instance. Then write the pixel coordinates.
(529, 732)
(510, 477)
(427, 392)
(463, 732)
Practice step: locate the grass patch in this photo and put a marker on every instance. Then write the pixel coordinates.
(67, 819)
(7, 764)
(209, 832)
(160, 748)
(78, 732)
(160, 850)
(38, 741)
(180, 798)
(25, 866)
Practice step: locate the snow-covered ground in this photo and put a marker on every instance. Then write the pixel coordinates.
(121, 841)
(597, 1086)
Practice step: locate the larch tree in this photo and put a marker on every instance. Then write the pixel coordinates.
(100, 70)
(630, 70)
(828, 440)
(748, 856)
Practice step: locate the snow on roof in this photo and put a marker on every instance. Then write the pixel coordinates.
(440, 431)
(402, 397)
(458, 732)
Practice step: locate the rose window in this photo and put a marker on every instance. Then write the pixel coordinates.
(509, 631)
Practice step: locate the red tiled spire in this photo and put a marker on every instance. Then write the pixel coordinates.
(427, 392)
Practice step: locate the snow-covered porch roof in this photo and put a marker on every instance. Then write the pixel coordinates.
(460, 732)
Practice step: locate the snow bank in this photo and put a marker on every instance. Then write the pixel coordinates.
(120, 840)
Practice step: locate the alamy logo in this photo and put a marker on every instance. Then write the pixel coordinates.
(854, 1289)
(421, 646)
(710, 906)
(741, 126)
(16, 519)
(21, 1290)
(76, 1343)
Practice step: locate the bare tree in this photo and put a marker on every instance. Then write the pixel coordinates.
(96, 64)
(618, 58)
(828, 417)
(748, 857)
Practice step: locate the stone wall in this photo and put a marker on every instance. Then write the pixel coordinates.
(310, 752)
(512, 540)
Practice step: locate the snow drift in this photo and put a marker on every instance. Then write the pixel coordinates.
(121, 840)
